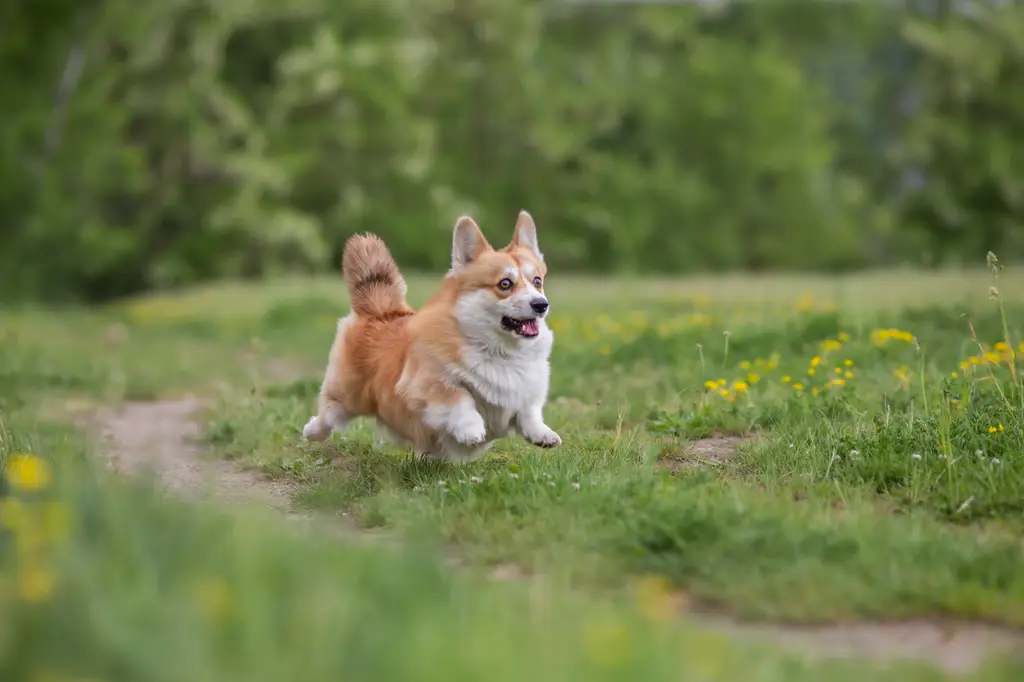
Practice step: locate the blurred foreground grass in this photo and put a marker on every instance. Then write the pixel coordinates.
(885, 480)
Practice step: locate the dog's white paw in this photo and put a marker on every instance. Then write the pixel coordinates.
(316, 430)
(470, 431)
(544, 437)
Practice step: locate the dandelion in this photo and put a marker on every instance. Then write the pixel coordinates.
(839, 383)
(854, 453)
(711, 385)
(837, 370)
(954, 375)
(745, 365)
(848, 363)
(844, 337)
(998, 428)
(815, 361)
(27, 472)
(812, 372)
(915, 456)
(442, 483)
(575, 485)
(798, 386)
(655, 598)
(815, 390)
(740, 386)
(786, 379)
(753, 377)
(513, 475)
(35, 584)
(996, 460)
(848, 375)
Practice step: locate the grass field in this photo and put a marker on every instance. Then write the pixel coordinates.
(787, 450)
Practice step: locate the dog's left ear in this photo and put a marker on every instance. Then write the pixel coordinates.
(525, 234)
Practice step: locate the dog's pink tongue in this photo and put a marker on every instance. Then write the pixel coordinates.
(530, 328)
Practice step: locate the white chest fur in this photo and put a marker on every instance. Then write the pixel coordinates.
(506, 381)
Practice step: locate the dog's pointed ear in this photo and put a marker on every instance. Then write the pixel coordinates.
(525, 235)
(468, 243)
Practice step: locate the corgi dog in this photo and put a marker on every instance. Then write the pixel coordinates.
(451, 378)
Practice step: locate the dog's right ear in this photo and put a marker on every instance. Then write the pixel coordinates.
(468, 243)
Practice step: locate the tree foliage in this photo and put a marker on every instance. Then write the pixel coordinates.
(155, 144)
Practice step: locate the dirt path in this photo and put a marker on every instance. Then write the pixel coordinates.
(160, 437)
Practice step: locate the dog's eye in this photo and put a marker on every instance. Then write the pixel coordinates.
(537, 282)
(505, 284)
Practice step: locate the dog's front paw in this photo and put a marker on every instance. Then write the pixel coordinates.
(471, 432)
(316, 430)
(544, 438)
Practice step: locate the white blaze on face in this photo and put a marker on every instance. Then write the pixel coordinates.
(529, 271)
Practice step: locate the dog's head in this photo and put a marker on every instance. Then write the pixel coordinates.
(501, 292)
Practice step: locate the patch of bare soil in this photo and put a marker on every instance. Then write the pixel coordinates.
(160, 437)
(954, 647)
(711, 451)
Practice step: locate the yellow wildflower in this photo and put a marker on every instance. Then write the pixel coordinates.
(994, 429)
(27, 472)
(710, 385)
(848, 363)
(814, 390)
(812, 371)
(843, 336)
(35, 583)
(848, 375)
(740, 386)
(837, 382)
(786, 379)
(831, 345)
(798, 386)
(837, 370)
(745, 364)
(753, 377)
(656, 599)
(815, 361)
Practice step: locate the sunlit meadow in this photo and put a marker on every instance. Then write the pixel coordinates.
(799, 450)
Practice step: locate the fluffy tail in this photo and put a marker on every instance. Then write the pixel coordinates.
(375, 286)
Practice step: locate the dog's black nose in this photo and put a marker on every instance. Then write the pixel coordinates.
(539, 305)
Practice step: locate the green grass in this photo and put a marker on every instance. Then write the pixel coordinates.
(884, 488)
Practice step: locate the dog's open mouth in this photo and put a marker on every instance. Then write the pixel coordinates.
(527, 327)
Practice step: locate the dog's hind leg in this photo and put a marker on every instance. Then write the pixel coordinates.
(332, 417)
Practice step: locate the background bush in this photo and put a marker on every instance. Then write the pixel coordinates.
(151, 144)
